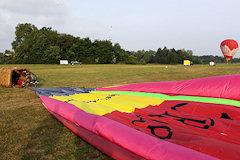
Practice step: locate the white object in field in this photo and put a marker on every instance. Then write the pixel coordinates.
(166, 66)
(212, 63)
(63, 61)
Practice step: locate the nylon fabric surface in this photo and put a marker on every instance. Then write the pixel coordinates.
(190, 119)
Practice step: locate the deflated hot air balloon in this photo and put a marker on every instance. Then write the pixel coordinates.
(190, 119)
(229, 48)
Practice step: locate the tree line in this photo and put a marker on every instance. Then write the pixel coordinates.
(47, 46)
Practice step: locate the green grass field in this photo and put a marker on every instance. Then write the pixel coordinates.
(28, 131)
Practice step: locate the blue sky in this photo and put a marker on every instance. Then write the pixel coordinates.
(197, 25)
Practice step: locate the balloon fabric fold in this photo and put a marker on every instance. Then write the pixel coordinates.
(191, 119)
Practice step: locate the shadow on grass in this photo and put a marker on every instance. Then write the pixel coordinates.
(44, 140)
(52, 140)
(86, 151)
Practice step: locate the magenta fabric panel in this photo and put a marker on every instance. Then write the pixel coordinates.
(130, 139)
(107, 147)
(219, 87)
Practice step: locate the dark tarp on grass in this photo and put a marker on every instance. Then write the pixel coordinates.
(60, 91)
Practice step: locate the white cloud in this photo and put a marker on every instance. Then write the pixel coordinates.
(41, 13)
(7, 31)
(5, 26)
(32, 7)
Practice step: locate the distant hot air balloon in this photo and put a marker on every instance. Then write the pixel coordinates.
(229, 48)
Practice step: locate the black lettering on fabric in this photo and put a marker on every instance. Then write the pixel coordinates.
(184, 120)
(140, 120)
(158, 121)
(178, 105)
(106, 98)
(156, 129)
(225, 116)
(161, 127)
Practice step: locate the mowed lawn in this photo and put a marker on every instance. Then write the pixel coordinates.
(28, 131)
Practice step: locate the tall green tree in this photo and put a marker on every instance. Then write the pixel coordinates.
(119, 53)
(103, 51)
(52, 54)
(24, 40)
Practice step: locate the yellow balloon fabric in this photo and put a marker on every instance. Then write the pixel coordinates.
(103, 103)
